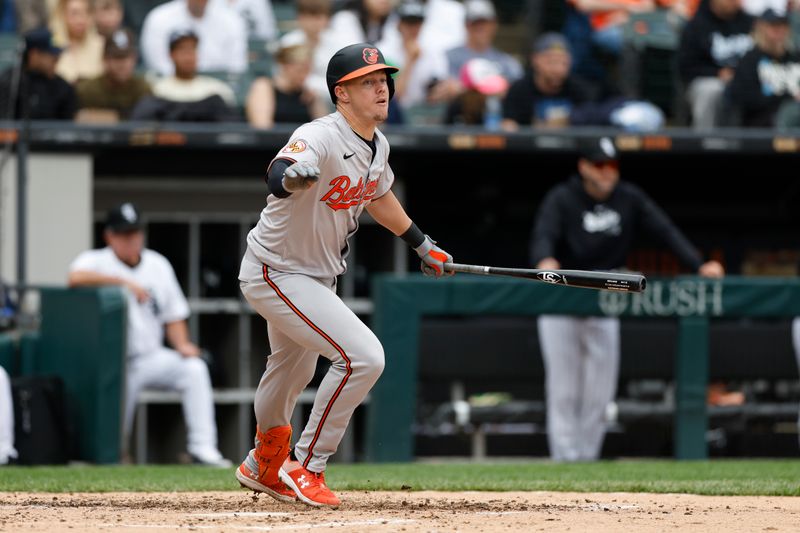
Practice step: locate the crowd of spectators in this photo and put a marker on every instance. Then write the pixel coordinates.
(235, 60)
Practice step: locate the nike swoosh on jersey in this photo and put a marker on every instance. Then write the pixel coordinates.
(348, 156)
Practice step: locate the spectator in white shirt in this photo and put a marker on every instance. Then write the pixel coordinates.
(221, 32)
(421, 68)
(444, 25)
(369, 21)
(258, 16)
(185, 85)
(313, 26)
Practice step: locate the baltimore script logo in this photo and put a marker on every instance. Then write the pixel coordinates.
(343, 196)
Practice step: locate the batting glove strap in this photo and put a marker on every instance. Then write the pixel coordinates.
(433, 258)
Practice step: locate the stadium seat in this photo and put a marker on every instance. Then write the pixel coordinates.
(285, 15)
(239, 82)
(425, 114)
(657, 29)
(259, 57)
(9, 50)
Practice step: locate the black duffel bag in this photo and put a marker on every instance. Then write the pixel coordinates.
(41, 434)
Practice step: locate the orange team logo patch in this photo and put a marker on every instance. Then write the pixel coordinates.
(343, 196)
(295, 147)
(370, 55)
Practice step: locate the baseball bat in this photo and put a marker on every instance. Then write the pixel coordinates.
(588, 279)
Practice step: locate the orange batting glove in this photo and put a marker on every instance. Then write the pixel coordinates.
(433, 258)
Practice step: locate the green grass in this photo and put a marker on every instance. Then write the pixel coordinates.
(717, 477)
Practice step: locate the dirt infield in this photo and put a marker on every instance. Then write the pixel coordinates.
(398, 511)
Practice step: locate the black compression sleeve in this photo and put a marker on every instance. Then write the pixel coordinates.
(274, 178)
(413, 236)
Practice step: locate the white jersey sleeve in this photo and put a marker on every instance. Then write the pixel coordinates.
(175, 307)
(87, 261)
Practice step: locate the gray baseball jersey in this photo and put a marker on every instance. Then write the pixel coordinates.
(307, 233)
(289, 274)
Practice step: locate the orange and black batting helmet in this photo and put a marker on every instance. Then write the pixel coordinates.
(354, 61)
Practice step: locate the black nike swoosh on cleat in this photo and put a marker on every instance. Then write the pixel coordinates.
(348, 156)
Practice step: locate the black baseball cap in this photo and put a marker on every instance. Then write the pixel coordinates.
(354, 61)
(599, 150)
(121, 43)
(123, 218)
(550, 41)
(411, 10)
(771, 16)
(41, 39)
(178, 35)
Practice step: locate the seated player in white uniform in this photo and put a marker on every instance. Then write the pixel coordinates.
(7, 451)
(156, 306)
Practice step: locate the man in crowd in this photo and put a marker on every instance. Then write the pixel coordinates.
(187, 96)
(117, 91)
(221, 32)
(546, 95)
(40, 94)
(711, 45)
(765, 90)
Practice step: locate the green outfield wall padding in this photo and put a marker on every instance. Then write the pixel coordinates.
(8, 357)
(82, 340)
(691, 380)
(401, 302)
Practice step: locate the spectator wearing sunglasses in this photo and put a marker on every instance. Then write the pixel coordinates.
(589, 222)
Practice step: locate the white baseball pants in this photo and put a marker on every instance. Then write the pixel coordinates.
(167, 369)
(581, 360)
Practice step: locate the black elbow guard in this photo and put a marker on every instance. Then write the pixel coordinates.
(274, 178)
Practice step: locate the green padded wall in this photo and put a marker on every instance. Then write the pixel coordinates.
(82, 339)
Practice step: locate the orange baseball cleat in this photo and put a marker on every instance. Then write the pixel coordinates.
(259, 470)
(309, 486)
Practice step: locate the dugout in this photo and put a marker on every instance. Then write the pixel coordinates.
(200, 187)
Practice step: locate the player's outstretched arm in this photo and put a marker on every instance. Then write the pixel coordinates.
(89, 278)
(388, 212)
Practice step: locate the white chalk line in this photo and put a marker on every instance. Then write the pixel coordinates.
(284, 527)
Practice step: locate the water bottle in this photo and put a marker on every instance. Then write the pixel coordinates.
(492, 113)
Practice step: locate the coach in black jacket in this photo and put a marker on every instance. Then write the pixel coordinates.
(766, 86)
(589, 223)
(712, 43)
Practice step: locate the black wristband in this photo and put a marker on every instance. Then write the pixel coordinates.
(413, 236)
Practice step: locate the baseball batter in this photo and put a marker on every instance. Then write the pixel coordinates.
(329, 172)
(156, 306)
